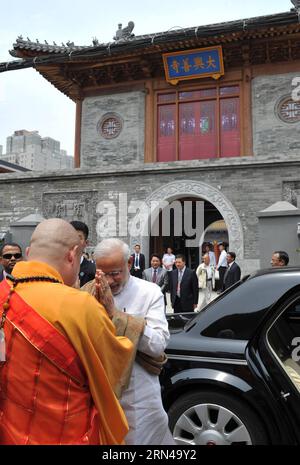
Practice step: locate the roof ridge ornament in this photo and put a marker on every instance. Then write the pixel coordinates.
(125, 33)
(296, 4)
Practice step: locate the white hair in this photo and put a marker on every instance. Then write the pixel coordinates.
(107, 246)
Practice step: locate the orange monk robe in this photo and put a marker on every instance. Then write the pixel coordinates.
(85, 323)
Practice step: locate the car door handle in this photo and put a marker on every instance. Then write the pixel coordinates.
(285, 395)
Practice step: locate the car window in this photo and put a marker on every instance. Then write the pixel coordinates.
(235, 314)
(211, 306)
(284, 341)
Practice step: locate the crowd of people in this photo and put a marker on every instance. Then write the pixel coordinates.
(82, 338)
(189, 290)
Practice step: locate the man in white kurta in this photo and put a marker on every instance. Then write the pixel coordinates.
(141, 401)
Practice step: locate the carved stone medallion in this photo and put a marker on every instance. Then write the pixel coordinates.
(110, 125)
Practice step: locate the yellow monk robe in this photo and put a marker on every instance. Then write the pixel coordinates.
(84, 322)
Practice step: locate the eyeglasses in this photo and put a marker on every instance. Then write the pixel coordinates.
(9, 256)
(113, 274)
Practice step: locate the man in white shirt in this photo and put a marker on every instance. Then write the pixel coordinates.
(141, 401)
(212, 257)
(168, 262)
(168, 259)
(222, 264)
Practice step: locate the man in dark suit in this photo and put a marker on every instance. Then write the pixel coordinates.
(87, 269)
(233, 272)
(279, 258)
(137, 262)
(183, 287)
(10, 254)
(156, 274)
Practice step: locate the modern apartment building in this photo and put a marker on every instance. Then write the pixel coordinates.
(30, 150)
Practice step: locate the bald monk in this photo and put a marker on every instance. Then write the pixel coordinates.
(63, 359)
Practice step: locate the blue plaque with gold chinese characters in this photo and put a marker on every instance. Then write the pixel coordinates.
(193, 64)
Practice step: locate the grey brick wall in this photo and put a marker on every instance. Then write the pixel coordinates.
(270, 134)
(250, 187)
(128, 147)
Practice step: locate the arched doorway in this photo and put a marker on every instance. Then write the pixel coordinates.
(216, 232)
(177, 239)
(212, 197)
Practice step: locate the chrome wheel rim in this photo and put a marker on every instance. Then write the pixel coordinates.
(210, 424)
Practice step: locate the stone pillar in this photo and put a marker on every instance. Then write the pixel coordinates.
(21, 231)
(278, 231)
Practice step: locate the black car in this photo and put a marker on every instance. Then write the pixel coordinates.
(233, 370)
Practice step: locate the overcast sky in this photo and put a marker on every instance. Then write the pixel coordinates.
(28, 101)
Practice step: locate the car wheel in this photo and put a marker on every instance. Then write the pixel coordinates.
(214, 418)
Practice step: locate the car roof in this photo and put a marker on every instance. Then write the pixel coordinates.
(278, 270)
(242, 307)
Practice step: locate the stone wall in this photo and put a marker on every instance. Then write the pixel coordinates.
(284, 227)
(271, 135)
(250, 187)
(128, 147)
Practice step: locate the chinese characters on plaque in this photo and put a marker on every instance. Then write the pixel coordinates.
(69, 209)
(198, 63)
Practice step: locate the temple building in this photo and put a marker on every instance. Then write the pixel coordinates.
(208, 113)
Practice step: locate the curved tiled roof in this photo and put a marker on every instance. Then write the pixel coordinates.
(68, 66)
(29, 48)
(40, 47)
